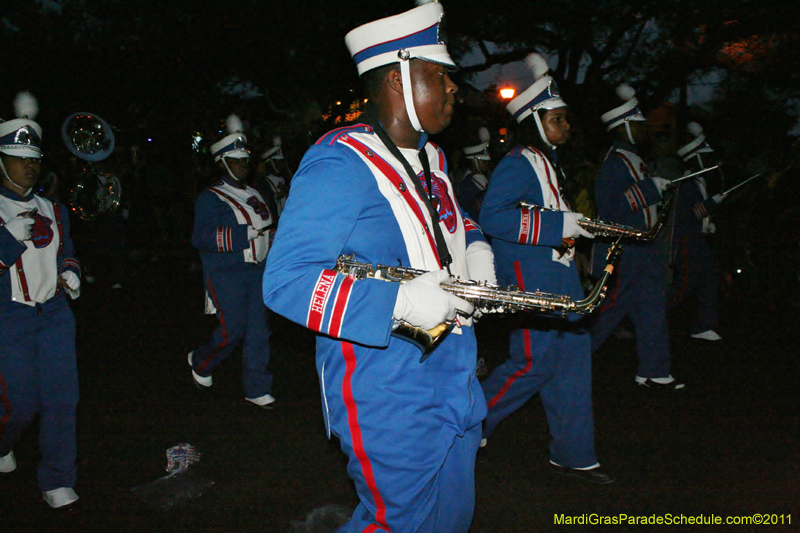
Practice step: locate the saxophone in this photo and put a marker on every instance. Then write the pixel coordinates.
(598, 228)
(484, 296)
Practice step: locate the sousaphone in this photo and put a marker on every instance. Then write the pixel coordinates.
(91, 139)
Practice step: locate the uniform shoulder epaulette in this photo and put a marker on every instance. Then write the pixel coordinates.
(332, 136)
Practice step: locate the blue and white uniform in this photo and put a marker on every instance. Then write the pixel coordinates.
(233, 266)
(695, 270)
(410, 429)
(625, 194)
(38, 367)
(551, 356)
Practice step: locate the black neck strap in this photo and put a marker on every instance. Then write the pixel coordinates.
(441, 247)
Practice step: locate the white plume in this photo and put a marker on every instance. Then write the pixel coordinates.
(276, 141)
(537, 64)
(423, 2)
(625, 91)
(234, 124)
(483, 135)
(695, 129)
(26, 106)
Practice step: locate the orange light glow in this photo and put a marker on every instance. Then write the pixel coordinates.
(507, 93)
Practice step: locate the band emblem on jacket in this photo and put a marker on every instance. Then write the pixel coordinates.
(41, 231)
(441, 201)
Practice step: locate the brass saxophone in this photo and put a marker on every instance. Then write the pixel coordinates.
(598, 228)
(482, 295)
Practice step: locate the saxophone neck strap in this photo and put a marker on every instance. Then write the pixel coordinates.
(441, 246)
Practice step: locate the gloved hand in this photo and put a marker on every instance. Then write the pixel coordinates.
(571, 228)
(71, 280)
(253, 233)
(480, 262)
(712, 228)
(661, 184)
(20, 228)
(719, 197)
(422, 303)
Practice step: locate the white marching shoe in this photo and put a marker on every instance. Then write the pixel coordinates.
(60, 497)
(709, 335)
(8, 463)
(264, 402)
(202, 382)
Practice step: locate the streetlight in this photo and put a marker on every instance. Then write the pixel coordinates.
(507, 93)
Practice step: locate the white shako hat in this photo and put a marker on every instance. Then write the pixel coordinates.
(543, 94)
(626, 112)
(233, 145)
(22, 137)
(696, 147)
(479, 151)
(275, 152)
(409, 35)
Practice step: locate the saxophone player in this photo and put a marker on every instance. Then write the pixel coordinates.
(626, 193)
(380, 191)
(548, 355)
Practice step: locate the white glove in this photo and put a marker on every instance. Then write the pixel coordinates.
(422, 303)
(20, 228)
(661, 184)
(480, 262)
(71, 280)
(571, 227)
(718, 197)
(712, 228)
(253, 233)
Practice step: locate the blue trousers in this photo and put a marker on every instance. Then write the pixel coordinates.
(639, 292)
(427, 502)
(242, 319)
(695, 274)
(39, 375)
(554, 360)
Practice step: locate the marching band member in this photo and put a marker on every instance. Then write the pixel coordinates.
(231, 232)
(695, 270)
(626, 194)
(271, 181)
(473, 181)
(380, 190)
(38, 273)
(548, 355)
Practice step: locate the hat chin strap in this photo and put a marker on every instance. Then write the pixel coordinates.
(628, 129)
(408, 94)
(228, 169)
(541, 129)
(20, 187)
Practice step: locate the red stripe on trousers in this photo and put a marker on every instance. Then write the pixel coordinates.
(526, 337)
(355, 436)
(221, 317)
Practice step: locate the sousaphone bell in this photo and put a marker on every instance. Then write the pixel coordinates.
(91, 139)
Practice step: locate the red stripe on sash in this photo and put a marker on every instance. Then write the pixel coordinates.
(391, 174)
(357, 439)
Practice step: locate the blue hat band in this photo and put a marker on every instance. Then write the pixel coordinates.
(424, 37)
(25, 136)
(238, 144)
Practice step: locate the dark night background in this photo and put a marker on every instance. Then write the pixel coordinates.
(159, 71)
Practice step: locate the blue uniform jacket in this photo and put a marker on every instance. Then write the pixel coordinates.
(336, 208)
(625, 194)
(523, 239)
